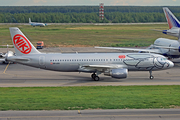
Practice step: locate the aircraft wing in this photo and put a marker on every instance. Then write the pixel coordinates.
(110, 66)
(166, 47)
(102, 68)
(133, 49)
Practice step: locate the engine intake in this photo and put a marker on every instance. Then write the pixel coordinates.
(117, 73)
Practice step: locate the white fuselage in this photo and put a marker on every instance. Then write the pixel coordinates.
(37, 24)
(75, 62)
(163, 42)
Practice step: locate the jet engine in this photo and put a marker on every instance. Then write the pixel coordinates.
(117, 73)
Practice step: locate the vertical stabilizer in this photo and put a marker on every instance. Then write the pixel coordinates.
(171, 19)
(21, 44)
(29, 20)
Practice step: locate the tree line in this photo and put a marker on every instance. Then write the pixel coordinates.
(114, 17)
(84, 9)
(84, 14)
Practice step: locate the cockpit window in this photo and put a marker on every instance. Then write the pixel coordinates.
(163, 58)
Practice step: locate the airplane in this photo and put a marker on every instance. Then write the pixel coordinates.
(2, 58)
(115, 65)
(166, 47)
(163, 46)
(36, 24)
(173, 22)
(3, 55)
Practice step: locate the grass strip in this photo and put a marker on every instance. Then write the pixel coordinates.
(90, 97)
(89, 35)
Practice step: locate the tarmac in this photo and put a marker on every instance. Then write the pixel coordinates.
(126, 114)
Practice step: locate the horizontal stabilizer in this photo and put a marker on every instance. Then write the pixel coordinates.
(157, 30)
(2, 60)
(18, 59)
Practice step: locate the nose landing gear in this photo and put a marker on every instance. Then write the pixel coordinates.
(151, 77)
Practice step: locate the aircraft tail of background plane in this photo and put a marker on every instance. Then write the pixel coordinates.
(21, 43)
(171, 19)
(30, 20)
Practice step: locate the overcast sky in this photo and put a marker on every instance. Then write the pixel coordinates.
(89, 2)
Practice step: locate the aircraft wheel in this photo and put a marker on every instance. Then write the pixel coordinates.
(151, 77)
(96, 78)
(93, 76)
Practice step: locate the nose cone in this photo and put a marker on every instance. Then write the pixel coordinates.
(171, 64)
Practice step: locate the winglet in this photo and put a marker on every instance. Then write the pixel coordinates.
(21, 43)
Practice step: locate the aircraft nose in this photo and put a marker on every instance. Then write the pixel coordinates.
(171, 64)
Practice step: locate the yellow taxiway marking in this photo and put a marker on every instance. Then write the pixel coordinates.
(6, 69)
(60, 50)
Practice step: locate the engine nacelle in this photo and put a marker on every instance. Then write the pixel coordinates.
(117, 73)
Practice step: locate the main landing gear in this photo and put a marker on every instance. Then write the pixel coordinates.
(151, 77)
(95, 77)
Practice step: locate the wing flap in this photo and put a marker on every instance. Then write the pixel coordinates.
(101, 67)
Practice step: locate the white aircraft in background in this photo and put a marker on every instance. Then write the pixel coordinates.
(115, 65)
(2, 59)
(173, 22)
(3, 55)
(36, 24)
(167, 47)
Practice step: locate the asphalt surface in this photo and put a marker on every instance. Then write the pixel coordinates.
(16, 75)
(136, 114)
